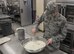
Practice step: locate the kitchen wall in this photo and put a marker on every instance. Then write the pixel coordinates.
(39, 7)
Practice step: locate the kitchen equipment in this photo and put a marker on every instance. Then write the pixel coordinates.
(65, 1)
(4, 39)
(20, 33)
(5, 25)
(67, 45)
(70, 13)
(36, 39)
(26, 12)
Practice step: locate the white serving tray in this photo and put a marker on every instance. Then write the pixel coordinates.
(4, 40)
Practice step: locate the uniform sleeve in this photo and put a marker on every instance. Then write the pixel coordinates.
(38, 21)
(62, 32)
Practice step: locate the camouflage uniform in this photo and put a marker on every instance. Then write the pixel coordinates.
(55, 27)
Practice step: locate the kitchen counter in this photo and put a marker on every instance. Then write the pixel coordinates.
(4, 16)
(14, 46)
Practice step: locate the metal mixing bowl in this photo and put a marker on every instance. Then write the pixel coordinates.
(34, 51)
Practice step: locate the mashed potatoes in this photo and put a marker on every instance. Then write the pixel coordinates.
(34, 45)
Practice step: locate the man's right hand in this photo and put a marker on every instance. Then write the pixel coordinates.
(33, 30)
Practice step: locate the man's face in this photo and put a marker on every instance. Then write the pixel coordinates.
(54, 14)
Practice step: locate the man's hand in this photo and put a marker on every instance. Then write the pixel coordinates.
(49, 41)
(34, 30)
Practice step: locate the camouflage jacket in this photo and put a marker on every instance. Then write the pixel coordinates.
(55, 28)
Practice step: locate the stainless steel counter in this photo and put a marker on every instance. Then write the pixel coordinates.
(15, 47)
(12, 47)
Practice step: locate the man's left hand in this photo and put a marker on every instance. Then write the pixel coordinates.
(49, 41)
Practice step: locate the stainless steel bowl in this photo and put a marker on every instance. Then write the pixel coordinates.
(34, 51)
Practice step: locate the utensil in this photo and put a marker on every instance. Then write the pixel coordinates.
(33, 37)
